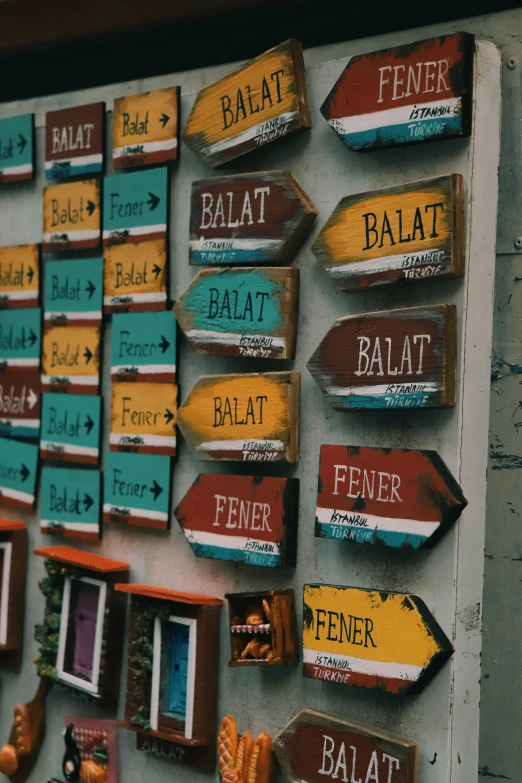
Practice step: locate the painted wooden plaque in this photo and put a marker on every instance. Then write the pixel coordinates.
(71, 359)
(20, 336)
(72, 216)
(411, 93)
(70, 502)
(413, 232)
(135, 206)
(146, 128)
(137, 490)
(392, 359)
(19, 276)
(18, 468)
(17, 148)
(143, 418)
(144, 347)
(74, 141)
(71, 428)
(247, 519)
(258, 218)
(20, 402)
(315, 747)
(245, 418)
(74, 292)
(395, 497)
(371, 638)
(135, 277)
(258, 103)
(242, 312)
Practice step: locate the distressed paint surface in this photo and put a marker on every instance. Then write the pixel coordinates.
(247, 519)
(70, 502)
(74, 141)
(371, 639)
(71, 428)
(18, 468)
(20, 400)
(242, 312)
(71, 359)
(393, 359)
(17, 148)
(144, 348)
(73, 292)
(254, 105)
(250, 417)
(20, 336)
(137, 490)
(71, 216)
(146, 128)
(143, 418)
(135, 277)
(413, 232)
(395, 497)
(253, 218)
(412, 93)
(135, 206)
(19, 276)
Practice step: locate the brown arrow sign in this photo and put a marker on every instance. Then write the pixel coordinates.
(20, 400)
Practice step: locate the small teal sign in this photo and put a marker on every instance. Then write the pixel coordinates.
(137, 490)
(20, 337)
(16, 148)
(70, 428)
(70, 502)
(18, 467)
(135, 206)
(144, 347)
(74, 291)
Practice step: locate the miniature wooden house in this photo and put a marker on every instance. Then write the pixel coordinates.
(263, 628)
(13, 565)
(173, 671)
(81, 638)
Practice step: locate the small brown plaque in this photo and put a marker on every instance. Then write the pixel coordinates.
(74, 141)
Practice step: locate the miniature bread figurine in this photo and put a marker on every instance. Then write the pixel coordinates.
(246, 652)
(91, 772)
(255, 648)
(263, 750)
(244, 754)
(227, 744)
(267, 610)
(255, 615)
(237, 647)
(264, 650)
(8, 760)
(23, 730)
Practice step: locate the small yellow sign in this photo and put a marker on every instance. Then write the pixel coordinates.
(143, 418)
(19, 276)
(72, 216)
(146, 128)
(71, 359)
(135, 277)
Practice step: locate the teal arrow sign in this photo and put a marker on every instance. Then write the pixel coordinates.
(16, 148)
(137, 490)
(74, 291)
(70, 428)
(18, 466)
(144, 347)
(20, 336)
(70, 502)
(135, 206)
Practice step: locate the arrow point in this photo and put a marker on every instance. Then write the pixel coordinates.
(89, 424)
(90, 288)
(91, 206)
(156, 489)
(156, 269)
(88, 501)
(32, 337)
(25, 472)
(153, 201)
(164, 119)
(164, 344)
(87, 355)
(32, 399)
(168, 416)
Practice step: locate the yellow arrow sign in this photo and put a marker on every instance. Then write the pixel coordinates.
(19, 276)
(143, 418)
(71, 359)
(146, 128)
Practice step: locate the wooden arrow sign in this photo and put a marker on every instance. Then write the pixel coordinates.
(18, 467)
(72, 216)
(144, 348)
(143, 418)
(74, 141)
(71, 428)
(395, 497)
(392, 359)
(135, 277)
(19, 276)
(243, 418)
(20, 335)
(70, 502)
(247, 519)
(135, 206)
(17, 148)
(371, 639)
(146, 128)
(258, 218)
(71, 359)
(137, 490)
(74, 292)
(242, 312)
(413, 232)
(315, 746)
(411, 93)
(20, 395)
(256, 104)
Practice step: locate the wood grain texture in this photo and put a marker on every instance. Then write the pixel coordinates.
(146, 128)
(144, 348)
(137, 490)
(17, 148)
(371, 639)
(257, 218)
(18, 473)
(71, 428)
(412, 232)
(20, 338)
(242, 312)
(19, 276)
(73, 292)
(71, 217)
(143, 418)
(392, 359)
(135, 277)
(135, 206)
(74, 141)
(71, 359)
(20, 405)
(256, 104)
(251, 417)
(70, 503)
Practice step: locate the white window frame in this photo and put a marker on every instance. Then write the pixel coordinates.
(191, 672)
(4, 604)
(93, 686)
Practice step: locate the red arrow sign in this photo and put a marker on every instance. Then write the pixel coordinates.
(20, 398)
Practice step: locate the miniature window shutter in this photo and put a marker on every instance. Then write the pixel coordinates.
(177, 700)
(85, 625)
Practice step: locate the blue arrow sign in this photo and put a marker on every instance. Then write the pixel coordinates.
(135, 206)
(137, 490)
(18, 466)
(20, 335)
(74, 291)
(144, 347)
(71, 428)
(70, 502)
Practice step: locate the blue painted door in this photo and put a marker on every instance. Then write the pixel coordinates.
(177, 695)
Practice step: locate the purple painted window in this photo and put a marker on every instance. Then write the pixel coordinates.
(84, 618)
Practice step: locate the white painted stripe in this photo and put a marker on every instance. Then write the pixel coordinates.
(233, 338)
(16, 296)
(136, 231)
(145, 440)
(77, 236)
(150, 369)
(84, 527)
(147, 146)
(26, 168)
(231, 542)
(156, 296)
(387, 262)
(397, 671)
(21, 362)
(396, 116)
(112, 508)
(84, 160)
(35, 423)
(87, 315)
(68, 448)
(235, 244)
(75, 380)
(376, 522)
(15, 494)
(239, 445)
(251, 133)
(381, 389)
